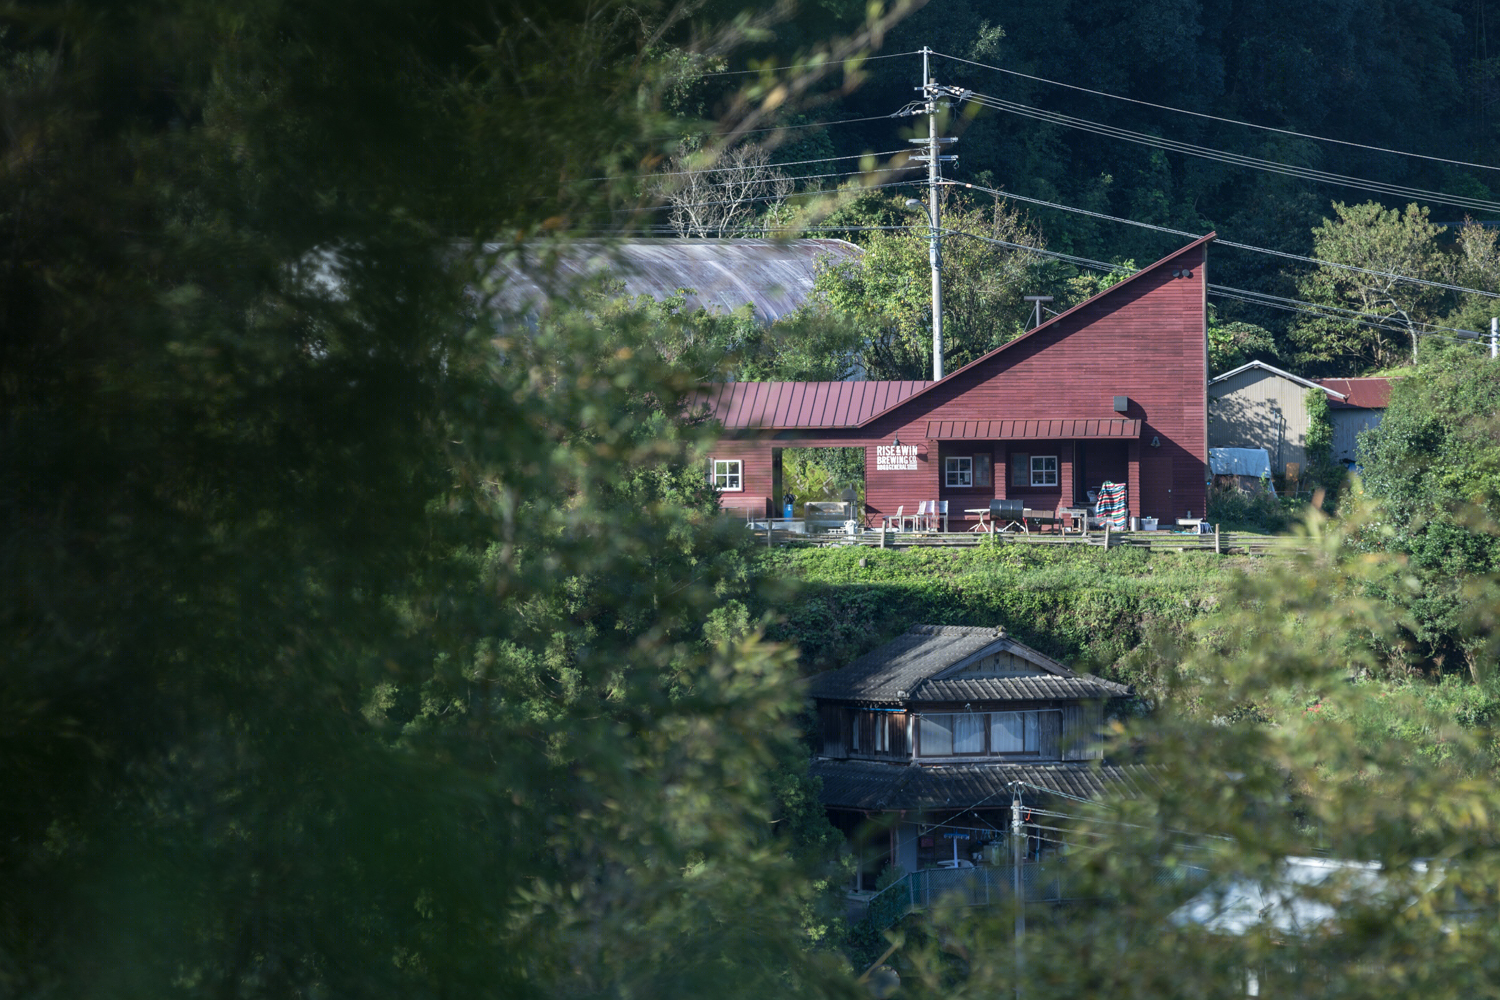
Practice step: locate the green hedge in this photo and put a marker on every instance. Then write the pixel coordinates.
(1085, 606)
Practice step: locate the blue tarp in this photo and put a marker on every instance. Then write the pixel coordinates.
(1253, 462)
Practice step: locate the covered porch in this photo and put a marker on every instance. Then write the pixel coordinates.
(1049, 470)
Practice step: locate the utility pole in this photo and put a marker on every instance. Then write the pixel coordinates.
(930, 93)
(1018, 857)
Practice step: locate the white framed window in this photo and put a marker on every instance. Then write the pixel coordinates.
(729, 474)
(1043, 470)
(958, 471)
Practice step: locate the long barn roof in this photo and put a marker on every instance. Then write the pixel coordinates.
(780, 405)
(773, 277)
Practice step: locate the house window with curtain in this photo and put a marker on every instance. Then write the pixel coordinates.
(979, 734)
(958, 471)
(729, 474)
(1043, 470)
(1013, 732)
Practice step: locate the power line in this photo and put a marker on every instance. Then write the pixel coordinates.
(1223, 242)
(1217, 118)
(788, 128)
(1234, 159)
(808, 65)
(1319, 311)
(755, 166)
(1243, 295)
(771, 197)
(814, 177)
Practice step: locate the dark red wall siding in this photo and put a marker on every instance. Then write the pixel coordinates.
(1143, 339)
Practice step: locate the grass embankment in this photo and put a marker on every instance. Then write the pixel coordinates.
(1085, 606)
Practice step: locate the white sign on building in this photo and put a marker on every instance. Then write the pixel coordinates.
(895, 458)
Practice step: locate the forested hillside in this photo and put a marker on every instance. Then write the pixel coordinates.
(1249, 118)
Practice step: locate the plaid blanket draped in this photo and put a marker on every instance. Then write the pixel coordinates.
(1112, 506)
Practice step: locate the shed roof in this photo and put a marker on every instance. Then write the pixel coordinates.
(910, 669)
(866, 784)
(774, 277)
(782, 405)
(1359, 393)
(1273, 370)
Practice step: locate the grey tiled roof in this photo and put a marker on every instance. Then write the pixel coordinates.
(862, 784)
(902, 671)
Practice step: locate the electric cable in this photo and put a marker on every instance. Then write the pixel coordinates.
(788, 128)
(813, 177)
(810, 65)
(1217, 118)
(1234, 159)
(1223, 242)
(757, 166)
(665, 206)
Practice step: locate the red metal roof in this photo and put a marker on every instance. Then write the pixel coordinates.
(1030, 430)
(778, 405)
(1359, 393)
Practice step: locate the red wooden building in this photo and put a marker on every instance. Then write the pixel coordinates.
(1113, 389)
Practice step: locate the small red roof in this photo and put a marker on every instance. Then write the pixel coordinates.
(779, 405)
(1030, 430)
(1359, 393)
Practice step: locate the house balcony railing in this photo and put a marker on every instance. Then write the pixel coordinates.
(987, 885)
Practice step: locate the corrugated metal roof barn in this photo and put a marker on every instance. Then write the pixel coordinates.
(774, 277)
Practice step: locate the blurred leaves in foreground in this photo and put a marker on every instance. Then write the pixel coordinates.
(1313, 832)
(359, 642)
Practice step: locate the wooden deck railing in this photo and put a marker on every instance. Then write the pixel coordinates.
(1224, 543)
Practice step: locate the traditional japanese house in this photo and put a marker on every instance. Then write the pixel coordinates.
(928, 736)
(1111, 389)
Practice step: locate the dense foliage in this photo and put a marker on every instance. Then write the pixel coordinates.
(1433, 464)
(1257, 79)
(361, 641)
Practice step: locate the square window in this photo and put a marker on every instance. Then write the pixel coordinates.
(1043, 470)
(958, 471)
(728, 474)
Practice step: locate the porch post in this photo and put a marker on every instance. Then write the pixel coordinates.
(1067, 455)
(1133, 477)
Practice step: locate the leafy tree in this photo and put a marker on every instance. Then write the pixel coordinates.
(357, 648)
(1433, 464)
(1380, 240)
(1476, 264)
(1233, 343)
(889, 290)
(1322, 469)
